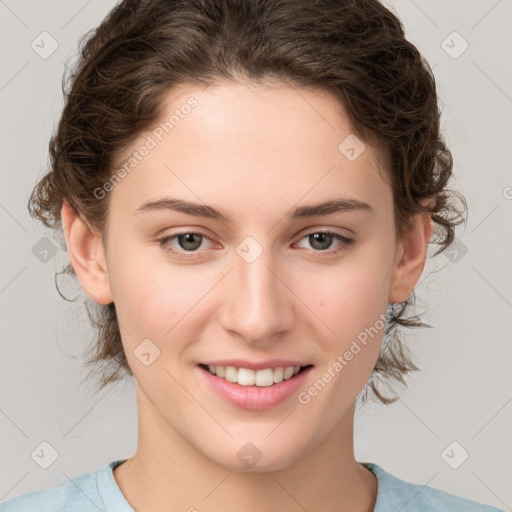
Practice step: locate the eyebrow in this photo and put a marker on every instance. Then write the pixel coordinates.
(201, 210)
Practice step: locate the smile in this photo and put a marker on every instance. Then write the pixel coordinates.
(261, 387)
(247, 377)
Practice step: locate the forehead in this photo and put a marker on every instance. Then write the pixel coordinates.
(251, 143)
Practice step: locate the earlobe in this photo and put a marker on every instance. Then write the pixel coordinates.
(87, 254)
(410, 258)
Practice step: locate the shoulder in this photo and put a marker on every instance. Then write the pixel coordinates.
(396, 494)
(80, 494)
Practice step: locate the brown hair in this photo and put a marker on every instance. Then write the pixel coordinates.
(353, 49)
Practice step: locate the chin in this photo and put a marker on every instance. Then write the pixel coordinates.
(249, 458)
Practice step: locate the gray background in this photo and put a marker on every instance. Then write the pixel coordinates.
(462, 394)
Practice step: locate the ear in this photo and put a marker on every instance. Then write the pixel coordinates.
(410, 256)
(87, 254)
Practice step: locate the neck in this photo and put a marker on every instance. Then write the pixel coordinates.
(166, 474)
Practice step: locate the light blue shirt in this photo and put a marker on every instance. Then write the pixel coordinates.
(98, 491)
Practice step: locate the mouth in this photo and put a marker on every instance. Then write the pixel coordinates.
(265, 377)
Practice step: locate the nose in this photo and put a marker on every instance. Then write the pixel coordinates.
(258, 302)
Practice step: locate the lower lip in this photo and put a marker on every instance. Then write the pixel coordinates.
(255, 397)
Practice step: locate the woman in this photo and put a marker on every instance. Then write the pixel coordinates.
(247, 191)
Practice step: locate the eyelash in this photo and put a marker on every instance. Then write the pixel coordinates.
(344, 243)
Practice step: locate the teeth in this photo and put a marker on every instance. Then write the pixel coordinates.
(278, 375)
(262, 377)
(248, 377)
(231, 374)
(288, 372)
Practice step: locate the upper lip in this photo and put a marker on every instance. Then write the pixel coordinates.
(261, 365)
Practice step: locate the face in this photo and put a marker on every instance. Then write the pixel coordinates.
(251, 275)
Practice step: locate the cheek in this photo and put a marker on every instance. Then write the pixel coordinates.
(148, 297)
(158, 300)
(151, 304)
(349, 298)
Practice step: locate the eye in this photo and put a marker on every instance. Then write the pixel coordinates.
(187, 242)
(321, 241)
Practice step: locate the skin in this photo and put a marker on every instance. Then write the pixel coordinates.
(255, 152)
